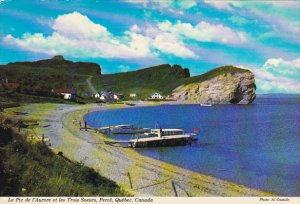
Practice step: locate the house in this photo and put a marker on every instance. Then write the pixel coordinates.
(156, 96)
(67, 93)
(132, 95)
(11, 86)
(97, 95)
(118, 96)
(105, 96)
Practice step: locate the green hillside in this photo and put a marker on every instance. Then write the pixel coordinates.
(163, 78)
(215, 72)
(40, 77)
(32, 169)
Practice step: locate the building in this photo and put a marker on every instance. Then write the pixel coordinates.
(105, 96)
(67, 93)
(118, 96)
(156, 96)
(97, 95)
(11, 86)
(132, 95)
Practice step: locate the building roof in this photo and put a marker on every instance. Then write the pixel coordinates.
(64, 91)
(11, 85)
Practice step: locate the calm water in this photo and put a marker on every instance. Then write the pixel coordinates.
(256, 145)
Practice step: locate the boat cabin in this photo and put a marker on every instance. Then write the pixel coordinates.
(167, 132)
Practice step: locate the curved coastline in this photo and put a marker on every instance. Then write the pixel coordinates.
(150, 177)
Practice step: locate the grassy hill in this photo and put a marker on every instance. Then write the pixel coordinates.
(40, 77)
(163, 79)
(32, 169)
(215, 72)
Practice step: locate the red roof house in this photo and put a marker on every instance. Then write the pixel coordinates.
(11, 86)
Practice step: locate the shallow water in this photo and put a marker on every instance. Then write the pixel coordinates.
(255, 145)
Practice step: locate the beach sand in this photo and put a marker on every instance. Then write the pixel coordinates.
(149, 177)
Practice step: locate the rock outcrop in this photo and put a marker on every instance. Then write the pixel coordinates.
(227, 88)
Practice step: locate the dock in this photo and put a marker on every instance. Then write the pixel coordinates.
(174, 140)
(150, 137)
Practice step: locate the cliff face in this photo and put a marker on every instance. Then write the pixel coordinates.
(227, 88)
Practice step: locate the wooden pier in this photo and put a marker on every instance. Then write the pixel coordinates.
(154, 138)
(174, 140)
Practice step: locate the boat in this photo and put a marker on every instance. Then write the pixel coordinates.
(162, 137)
(127, 129)
(203, 104)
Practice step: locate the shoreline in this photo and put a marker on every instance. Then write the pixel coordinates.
(150, 177)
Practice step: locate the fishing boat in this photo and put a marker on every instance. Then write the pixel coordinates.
(162, 137)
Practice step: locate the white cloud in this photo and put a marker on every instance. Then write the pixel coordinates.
(75, 35)
(171, 5)
(75, 25)
(163, 3)
(224, 5)
(205, 32)
(168, 43)
(279, 75)
(281, 16)
(187, 4)
(164, 42)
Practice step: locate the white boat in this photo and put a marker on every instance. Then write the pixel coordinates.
(162, 137)
(127, 129)
(202, 104)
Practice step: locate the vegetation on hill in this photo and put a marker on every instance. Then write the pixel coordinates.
(28, 169)
(41, 77)
(162, 78)
(215, 72)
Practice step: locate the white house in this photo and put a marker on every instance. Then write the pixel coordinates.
(105, 96)
(156, 96)
(97, 95)
(118, 96)
(132, 95)
(67, 93)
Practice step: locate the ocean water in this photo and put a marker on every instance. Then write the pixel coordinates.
(256, 145)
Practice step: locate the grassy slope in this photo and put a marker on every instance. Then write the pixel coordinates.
(28, 169)
(215, 72)
(45, 75)
(162, 78)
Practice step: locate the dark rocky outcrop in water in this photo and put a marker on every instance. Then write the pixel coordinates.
(227, 88)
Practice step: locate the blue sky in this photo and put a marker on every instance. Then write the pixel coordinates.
(125, 35)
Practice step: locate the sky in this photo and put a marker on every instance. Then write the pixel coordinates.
(126, 35)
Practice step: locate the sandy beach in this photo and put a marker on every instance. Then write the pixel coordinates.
(149, 177)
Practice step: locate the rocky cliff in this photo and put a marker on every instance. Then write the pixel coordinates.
(226, 88)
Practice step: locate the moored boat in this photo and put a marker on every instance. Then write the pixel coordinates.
(127, 129)
(204, 104)
(162, 137)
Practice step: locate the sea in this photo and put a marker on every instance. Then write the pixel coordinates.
(256, 145)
